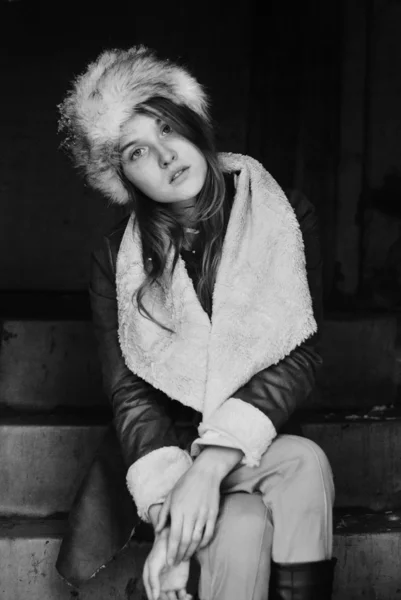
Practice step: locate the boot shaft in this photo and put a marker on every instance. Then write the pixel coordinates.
(302, 581)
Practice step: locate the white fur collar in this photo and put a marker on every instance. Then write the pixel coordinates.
(262, 307)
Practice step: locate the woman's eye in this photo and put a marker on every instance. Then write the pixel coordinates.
(137, 153)
(166, 129)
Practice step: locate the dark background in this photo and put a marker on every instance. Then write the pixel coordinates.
(312, 89)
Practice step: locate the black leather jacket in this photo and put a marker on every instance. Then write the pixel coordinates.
(145, 418)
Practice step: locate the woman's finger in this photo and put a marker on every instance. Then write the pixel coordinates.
(186, 540)
(209, 531)
(171, 596)
(163, 514)
(154, 580)
(197, 536)
(174, 540)
(145, 579)
(182, 594)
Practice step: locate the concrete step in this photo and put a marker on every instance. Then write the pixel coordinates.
(44, 459)
(364, 450)
(45, 364)
(367, 547)
(28, 551)
(43, 463)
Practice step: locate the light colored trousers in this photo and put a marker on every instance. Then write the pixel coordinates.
(281, 511)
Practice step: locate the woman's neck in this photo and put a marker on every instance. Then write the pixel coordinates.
(184, 211)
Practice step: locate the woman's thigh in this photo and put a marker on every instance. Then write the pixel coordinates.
(290, 461)
(295, 481)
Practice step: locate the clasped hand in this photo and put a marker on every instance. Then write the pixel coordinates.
(163, 582)
(193, 507)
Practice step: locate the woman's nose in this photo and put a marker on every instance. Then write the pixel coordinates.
(166, 156)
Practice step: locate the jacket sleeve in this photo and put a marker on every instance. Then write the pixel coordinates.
(144, 428)
(251, 418)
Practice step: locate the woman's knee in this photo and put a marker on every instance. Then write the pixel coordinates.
(312, 464)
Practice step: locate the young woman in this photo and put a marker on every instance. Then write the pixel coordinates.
(205, 301)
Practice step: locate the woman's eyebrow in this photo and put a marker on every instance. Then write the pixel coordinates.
(127, 145)
(133, 142)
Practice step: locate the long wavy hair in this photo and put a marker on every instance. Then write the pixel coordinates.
(161, 229)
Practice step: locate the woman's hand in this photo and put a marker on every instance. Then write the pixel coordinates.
(193, 506)
(194, 502)
(161, 581)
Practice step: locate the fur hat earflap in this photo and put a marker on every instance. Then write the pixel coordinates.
(104, 97)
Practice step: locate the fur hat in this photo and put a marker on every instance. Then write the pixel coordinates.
(105, 96)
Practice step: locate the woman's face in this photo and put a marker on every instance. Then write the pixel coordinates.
(161, 163)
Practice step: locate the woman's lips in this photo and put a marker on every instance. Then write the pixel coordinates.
(182, 173)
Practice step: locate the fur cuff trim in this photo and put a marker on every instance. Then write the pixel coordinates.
(237, 424)
(153, 476)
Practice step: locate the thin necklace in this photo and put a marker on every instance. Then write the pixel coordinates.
(195, 232)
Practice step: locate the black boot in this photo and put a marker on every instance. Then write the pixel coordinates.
(302, 581)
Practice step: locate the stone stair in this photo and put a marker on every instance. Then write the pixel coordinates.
(53, 415)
